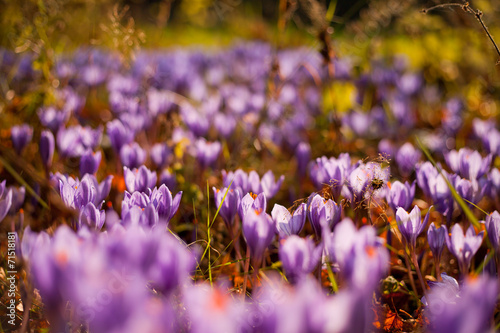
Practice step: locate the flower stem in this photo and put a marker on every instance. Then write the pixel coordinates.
(245, 273)
(410, 275)
(438, 269)
(417, 268)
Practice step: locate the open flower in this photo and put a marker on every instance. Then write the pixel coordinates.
(411, 224)
(463, 247)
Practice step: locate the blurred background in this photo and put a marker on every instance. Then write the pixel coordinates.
(356, 27)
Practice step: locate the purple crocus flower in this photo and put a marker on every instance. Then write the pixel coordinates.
(196, 122)
(132, 155)
(18, 195)
(119, 134)
(5, 201)
(21, 136)
(51, 264)
(491, 142)
(229, 207)
(139, 179)
(361, 178)
(252, 201)
(410, 83)
(331, 171)
(449, 307)
(464, 247)
(224, 124)
(77, 194)
(74, 140)
(493, 229)
(93, 75)
(411, 224)
(207, 152)
(359, 122)
(452, 116)
(258, 230)
(303, 156)
(426, 174)
(299, 257)
(236, 179)
(91, 217)
(269, 185)
(89, 162)
(158, 101)
(47, 146)
(146, 217)
(359, 254)
(406, 158)
(471, 190)
(159, 154)
(163, 201)
(212, 309)
(468, 163)
(434, 185)
(322, 213)
(289, 224)
(386, 148)
(400, 195)
(139, 199)
(436, 238)
(53, 118)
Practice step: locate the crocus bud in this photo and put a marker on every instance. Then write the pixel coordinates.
(5, 203)
(89, 162)
(400, 195)
(303, 155)
(132, 155)
(436, 239)
(119, 134)
(159, 154)
(406, 158)
(20, 136)
(47, 145)
(229, 201)
(322, 213)
(258, 230)
(289, 224)
(493, 228)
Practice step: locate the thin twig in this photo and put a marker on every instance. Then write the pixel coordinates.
(476, 12)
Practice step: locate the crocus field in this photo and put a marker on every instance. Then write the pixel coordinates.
(254, 186)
